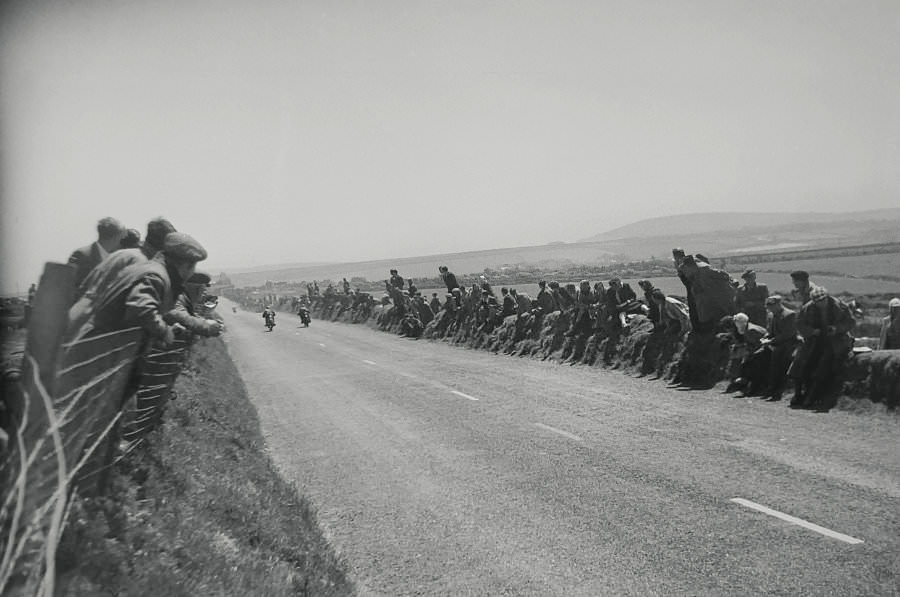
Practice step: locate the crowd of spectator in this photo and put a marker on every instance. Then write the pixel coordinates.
(772, 342)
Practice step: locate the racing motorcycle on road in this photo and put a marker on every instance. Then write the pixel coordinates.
(303, 312)
(269, 316)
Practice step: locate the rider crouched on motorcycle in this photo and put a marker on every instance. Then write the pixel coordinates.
(269, 315)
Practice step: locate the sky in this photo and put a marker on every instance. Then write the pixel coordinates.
(306, 131)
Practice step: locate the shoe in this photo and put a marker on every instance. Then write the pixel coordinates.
(775, 398)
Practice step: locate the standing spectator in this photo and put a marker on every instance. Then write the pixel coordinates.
(157, 229)
(889, 339)
(802, 287)
(109, 236)
(413, 289)
(435, 303)
(131, 240)
(346, 286)
(509, 303)
(523, 302)
(678, 258)
(712, 291)
(780, 341)
(139, 294)
(396, 280)
(751, 298)
(824, 322)
(448, 277)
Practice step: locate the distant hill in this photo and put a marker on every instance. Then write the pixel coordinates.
(705, 223)
(712, 234)
(418, 267)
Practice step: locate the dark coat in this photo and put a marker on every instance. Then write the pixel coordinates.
(752, 302)
(85, 259)
(713, 294)
(782, 328)
(450, 281)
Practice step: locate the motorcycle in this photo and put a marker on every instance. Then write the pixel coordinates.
(269, 316)
(305, 317)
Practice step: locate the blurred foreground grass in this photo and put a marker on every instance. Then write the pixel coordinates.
(199, 509)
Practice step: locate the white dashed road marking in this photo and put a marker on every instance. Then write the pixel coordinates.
(798, 521)
(368, 362)
(322, 345)
(464, 395)
(559, 431)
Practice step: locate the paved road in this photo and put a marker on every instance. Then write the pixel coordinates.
(438, 470)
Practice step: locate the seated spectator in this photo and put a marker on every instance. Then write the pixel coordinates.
(743, 371)
(779, 342)
(620, 301)
(545, 298)
(652, 305)
(712, 292)
(435, 303)
(110, 233)
(509, 303)
(673, 314)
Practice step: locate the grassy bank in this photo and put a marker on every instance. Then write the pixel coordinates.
(199, 509)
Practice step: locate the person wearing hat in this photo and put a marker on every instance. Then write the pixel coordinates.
(509, 303)
(448, 277)
(779, 343)
(750, 298)
(185, 310)
(802, 287)
(138, 294)
(889, 339)
(620, 300)
(824, 323)
(131, 240)
(545, 298)
(396, 280)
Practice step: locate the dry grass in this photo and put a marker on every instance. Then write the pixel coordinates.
(198, 509)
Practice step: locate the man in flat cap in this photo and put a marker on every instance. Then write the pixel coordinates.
(889, 338)
(802, 287)
(824, 323)
(780, 341)
(138, 294)
(110, 233)
(751, 298)
(186, 309)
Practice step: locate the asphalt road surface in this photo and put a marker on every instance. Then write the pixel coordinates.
(438, 470)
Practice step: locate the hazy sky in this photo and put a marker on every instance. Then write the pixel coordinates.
(287, 131)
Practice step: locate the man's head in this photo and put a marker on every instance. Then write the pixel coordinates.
(749, 276)
(131, 240)
(393, 272)
(110, 233)
(658, 295)
(585, 285)
(554, 284)
(504, 291)
(894, 307)
(615, 283)
(740, 322)
(443, 269)
(542, 284)
(646, 285)
(433, 295)
(182, 253)
(157, 229)
(818, 294)
(800, 279)
(774, 304)
(513, 292)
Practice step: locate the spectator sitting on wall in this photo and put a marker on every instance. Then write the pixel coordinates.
(673, 314)
(743, 371)
(620, 301)
(509, 303)
(652, 305)
(545, 298)
(435, 303)
(780, 341)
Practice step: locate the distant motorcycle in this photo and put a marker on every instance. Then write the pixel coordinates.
(269, 316)
(305, 317)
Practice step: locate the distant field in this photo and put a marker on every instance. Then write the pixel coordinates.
(860, 266)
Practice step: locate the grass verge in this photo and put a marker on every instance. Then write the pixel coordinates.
(199, 508)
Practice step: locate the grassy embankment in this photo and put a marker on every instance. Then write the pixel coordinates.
(199, 509)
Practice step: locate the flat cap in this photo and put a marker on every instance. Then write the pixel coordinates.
(800, 275)
(182, 246)
(775, 298)
(747, 273)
